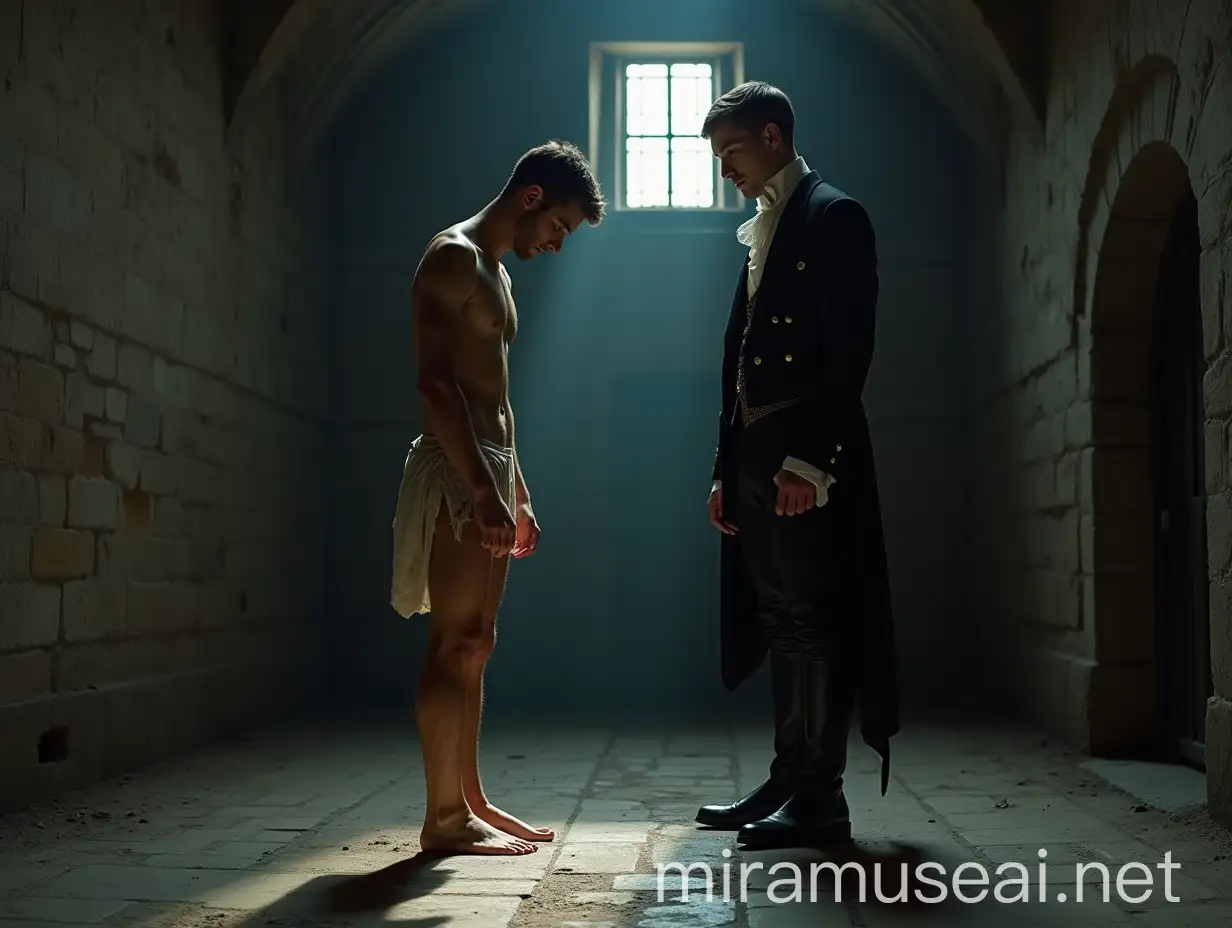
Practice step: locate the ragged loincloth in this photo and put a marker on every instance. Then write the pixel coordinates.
(430, 481)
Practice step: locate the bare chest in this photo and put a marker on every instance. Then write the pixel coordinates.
(493, 313)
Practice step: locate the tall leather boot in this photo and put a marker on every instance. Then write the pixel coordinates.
(817, 813)
(789, 687)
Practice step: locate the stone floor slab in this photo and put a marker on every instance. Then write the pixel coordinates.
(471, 912)
(136, 884)
(714, 914)
(1170, 787)
(614, 832)
(597, 857)
(1210, 915)
(16, 876)
(820, 914)
(666, 884)
(55, 910)
(290, 829)
(605, 898)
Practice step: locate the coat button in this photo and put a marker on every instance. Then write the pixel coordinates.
(800, 266)
(757, 360)
(787, 358)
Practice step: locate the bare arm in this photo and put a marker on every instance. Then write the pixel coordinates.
(523, 494)
(447, 279)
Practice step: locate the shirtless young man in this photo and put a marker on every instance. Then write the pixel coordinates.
(463, 507)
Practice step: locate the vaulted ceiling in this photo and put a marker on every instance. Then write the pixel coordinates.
(983, 58)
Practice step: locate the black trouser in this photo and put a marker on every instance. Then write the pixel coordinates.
(794, 563)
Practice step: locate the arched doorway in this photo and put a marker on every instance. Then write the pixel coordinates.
(1149, 489)
(1182, 608)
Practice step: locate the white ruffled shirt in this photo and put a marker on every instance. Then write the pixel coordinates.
(758, 234)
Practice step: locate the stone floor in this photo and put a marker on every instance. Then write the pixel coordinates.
(318, 828)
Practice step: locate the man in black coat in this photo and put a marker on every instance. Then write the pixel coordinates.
(795, 488)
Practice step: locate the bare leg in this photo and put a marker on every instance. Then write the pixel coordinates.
(458, 580)
(472, 786)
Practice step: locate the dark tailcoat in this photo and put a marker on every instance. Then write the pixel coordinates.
(810, 338)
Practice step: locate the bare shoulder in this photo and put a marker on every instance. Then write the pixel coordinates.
(449, 269)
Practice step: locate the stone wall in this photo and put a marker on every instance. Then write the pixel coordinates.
(1137, 121)
(162, 394)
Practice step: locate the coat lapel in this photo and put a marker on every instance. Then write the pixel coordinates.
(740, 302)
(787, 233)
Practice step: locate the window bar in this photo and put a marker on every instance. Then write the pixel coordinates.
(672, 154)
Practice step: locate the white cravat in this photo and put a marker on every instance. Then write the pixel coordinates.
(758, 234)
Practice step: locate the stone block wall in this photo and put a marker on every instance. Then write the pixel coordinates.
(1138, 122)
(163, 383)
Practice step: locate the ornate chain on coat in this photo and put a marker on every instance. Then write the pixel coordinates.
(749, 415)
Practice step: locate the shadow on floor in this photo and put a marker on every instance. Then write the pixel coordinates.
(338, 899)
(388, 887)
(892, 873)
(882, 874)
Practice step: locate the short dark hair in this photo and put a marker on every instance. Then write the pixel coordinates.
(752, 106)
(565, 175)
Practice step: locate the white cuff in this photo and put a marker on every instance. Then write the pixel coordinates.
(818, 478)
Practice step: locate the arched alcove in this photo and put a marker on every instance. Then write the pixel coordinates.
(1140, 328)
(1142, 109)
(1144, 517)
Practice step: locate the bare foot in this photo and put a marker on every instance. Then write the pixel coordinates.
(472, 836)
(510, 825)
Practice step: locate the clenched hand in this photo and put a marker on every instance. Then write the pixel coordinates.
(796, 494)
(497, 530)
(526, 540)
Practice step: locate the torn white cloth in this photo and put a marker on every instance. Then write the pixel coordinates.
(429, 481)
